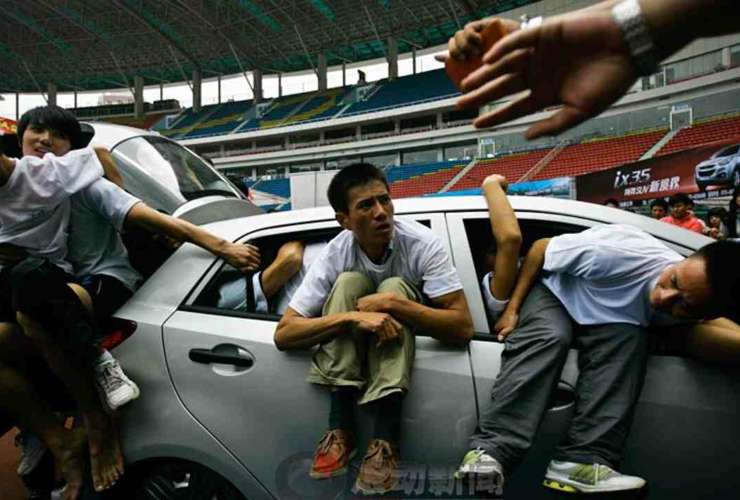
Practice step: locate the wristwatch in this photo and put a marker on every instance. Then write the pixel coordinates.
(628, 16)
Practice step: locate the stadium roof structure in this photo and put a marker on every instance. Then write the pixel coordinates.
(101, 44)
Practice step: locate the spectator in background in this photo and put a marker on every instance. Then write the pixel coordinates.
(733, 223)
(681, 215)
(583, 60)
(611, 203)
(716, 227)
(658, 208)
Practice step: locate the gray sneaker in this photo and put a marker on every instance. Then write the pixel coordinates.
(573, 477)
(114, 386)
(484, 471)
(32, 451)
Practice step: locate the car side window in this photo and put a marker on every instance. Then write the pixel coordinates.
(482, 243)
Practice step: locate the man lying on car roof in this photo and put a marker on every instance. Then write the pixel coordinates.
(361, 303)
(57, 315)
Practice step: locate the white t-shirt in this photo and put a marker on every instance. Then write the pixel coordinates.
(415, 254)
(495, 306)
(34, 202)
(95, 246)
(605, 274)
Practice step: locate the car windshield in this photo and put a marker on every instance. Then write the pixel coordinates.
(179, 171)
(728, 151)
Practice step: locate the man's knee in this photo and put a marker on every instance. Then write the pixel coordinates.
(399, 287)
(353, 283)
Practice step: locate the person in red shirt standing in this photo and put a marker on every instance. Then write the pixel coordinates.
(681, 215)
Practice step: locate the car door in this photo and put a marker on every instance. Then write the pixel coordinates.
(687, 412)
(255, 401)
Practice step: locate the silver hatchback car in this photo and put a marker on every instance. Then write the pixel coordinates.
(224, 415)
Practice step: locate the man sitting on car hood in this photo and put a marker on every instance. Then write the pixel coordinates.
(361, 303)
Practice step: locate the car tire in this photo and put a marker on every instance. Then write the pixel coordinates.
(176, 480)
(701, 186)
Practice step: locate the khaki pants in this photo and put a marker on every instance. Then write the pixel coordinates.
(352, 359)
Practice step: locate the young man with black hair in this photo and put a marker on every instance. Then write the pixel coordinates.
(597, 290)
(658, 208)
(681, 214)
(45, 297)
(361, 303)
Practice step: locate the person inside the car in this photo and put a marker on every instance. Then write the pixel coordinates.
(503, 256)
(682, 215)
(361, 303)
(658, 208)
(275, 286)
(596, 290)
(46, 303)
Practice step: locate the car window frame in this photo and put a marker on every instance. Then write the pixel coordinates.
(437, 224)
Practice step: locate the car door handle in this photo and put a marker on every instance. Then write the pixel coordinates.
(207, 356)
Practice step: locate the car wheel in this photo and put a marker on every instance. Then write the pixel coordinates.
(178, 480)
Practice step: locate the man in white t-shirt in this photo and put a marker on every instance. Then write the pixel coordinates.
(599, 290)
(360, 304)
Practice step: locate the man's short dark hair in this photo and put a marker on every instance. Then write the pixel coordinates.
(679, 198)
(660, 202)
(723, 274)
(55, 118)
(357, 174)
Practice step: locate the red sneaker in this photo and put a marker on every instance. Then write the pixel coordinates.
(332, 455)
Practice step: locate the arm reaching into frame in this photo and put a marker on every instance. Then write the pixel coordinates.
(580, 60)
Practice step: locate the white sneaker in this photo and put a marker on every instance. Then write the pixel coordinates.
(573, 477)
(113, 384)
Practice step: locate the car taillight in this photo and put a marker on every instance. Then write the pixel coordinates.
(116, 332)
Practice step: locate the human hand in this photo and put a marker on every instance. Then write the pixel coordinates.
(11, 254)
(578, 60)
(244, 257)
(376, 302)
(384, 326)
(466, 46)
(506, 324)
(496, 179)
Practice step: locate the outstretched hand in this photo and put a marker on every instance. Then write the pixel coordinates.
(577, 60)
(244, 257)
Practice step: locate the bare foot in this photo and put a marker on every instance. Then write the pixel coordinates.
(106, 459)
(69, 454)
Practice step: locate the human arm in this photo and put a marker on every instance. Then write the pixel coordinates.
(507, 234)
(449, 320)
(295, 331)
(109, 166)
(243, 257)
(528, 274)
(6, 168)
(286, 264)
(716, 341)
(581, 61)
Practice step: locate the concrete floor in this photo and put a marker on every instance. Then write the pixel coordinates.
(11, 487)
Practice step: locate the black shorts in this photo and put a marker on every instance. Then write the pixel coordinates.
(7, 310)
(107, 294)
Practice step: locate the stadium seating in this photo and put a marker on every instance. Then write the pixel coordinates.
(431, 85)
(416, 180)
(144, 123)
(226, 117)
(599, 154)
(512, 166)
(702, 133)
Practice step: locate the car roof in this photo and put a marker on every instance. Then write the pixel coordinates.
(236, 228)
(110, 134)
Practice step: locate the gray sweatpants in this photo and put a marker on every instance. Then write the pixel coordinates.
(611, 361)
